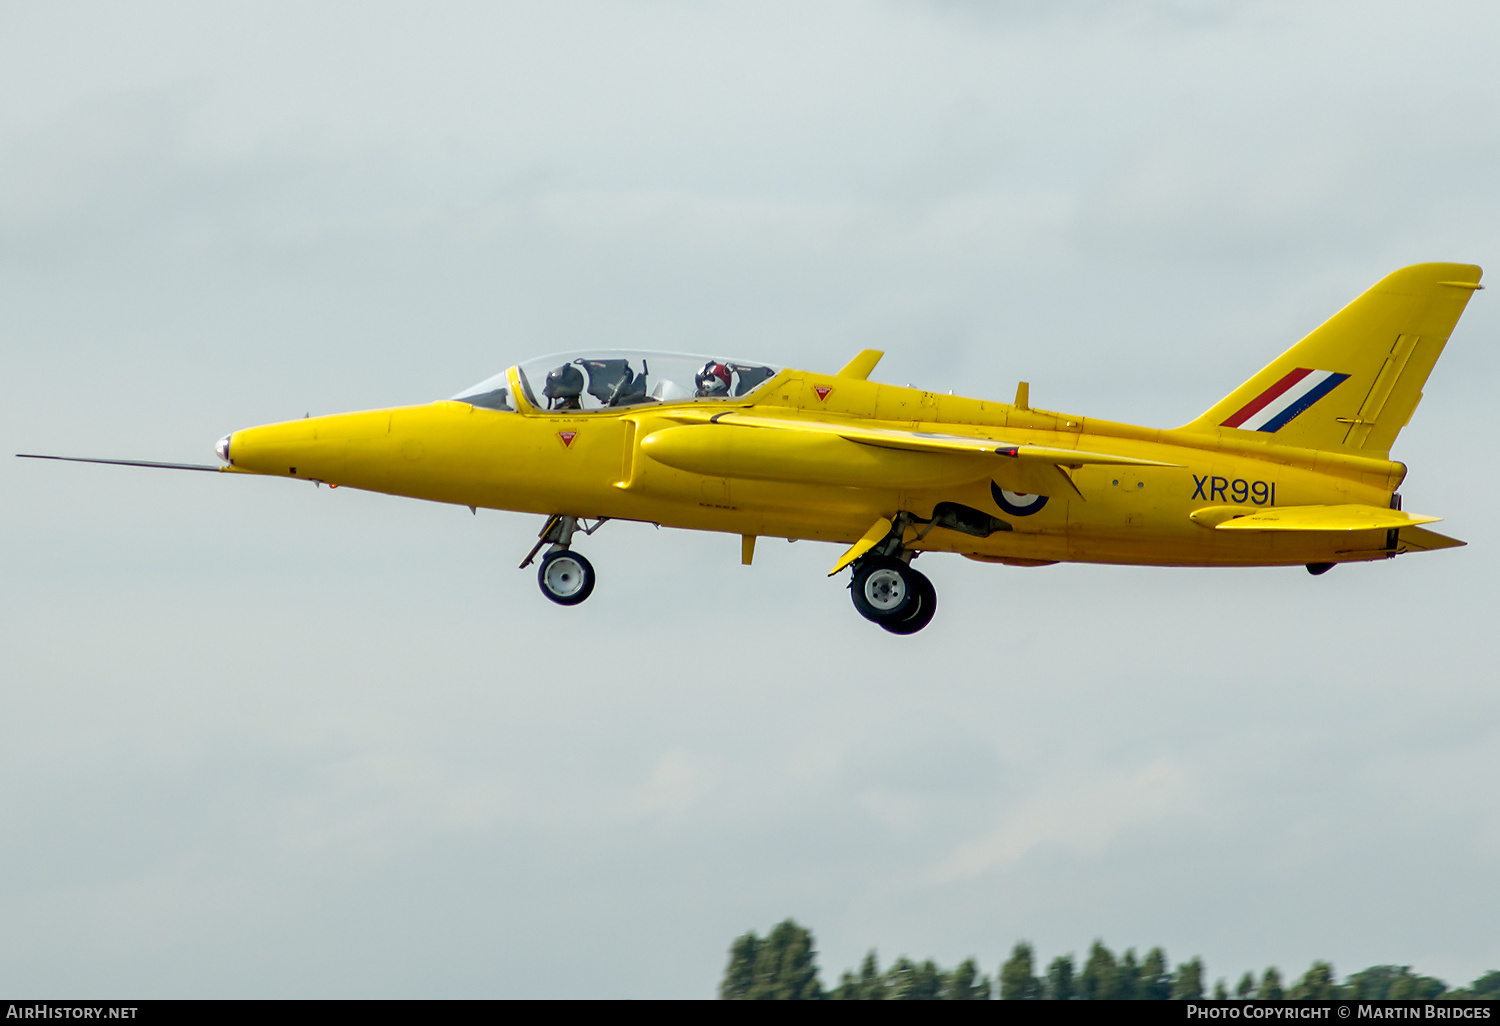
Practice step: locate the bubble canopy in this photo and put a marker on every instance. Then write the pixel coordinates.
(603, 378)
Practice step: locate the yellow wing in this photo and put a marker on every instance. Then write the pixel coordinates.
(734, 444)
(925, 441)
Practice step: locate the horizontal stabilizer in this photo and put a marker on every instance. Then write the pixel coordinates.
(1419, 539)
(1350, 517)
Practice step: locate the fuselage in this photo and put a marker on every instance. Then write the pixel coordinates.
(666, 463)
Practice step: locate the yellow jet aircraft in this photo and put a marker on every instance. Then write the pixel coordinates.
(1291, 468)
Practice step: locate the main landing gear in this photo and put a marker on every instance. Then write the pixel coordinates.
(564, 576)
(887, 591)
(890, 593)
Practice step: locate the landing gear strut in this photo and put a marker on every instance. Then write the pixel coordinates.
(564, 576)
(887, 591)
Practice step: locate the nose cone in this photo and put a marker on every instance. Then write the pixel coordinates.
(345, 448)
(223, 449)
(290, 449)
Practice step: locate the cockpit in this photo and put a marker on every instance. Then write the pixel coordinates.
(603, 379)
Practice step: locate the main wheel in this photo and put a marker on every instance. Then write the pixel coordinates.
(922, 611)
(884, 590)
(565, 577)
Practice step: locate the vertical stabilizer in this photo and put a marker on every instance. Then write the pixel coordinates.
(1352, 384)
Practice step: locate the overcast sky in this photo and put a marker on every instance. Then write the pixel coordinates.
(265, 741)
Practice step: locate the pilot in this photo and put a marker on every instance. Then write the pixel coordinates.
(563, 388)
(712, 380)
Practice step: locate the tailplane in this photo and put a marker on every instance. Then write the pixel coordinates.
(1352, 384)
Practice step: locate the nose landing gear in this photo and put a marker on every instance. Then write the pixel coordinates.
(564, 576)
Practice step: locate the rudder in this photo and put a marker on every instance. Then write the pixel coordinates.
(1352, 384)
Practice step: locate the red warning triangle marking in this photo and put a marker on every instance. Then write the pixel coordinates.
(567, 438)
(822, 391)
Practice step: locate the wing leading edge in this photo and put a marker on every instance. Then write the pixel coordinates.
(924, 441)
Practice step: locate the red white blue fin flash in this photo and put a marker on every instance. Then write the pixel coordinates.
(1280, 404)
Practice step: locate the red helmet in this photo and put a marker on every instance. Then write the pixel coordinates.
(713, 379)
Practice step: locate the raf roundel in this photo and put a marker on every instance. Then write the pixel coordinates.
(1017, 504)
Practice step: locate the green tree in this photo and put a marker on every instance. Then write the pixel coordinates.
(1155, 982)
(869, 985)
(786, 966)
(927, 982)
(1411, 987)
(897, 980)
(871, 979)
(1317, 984)
(1391, 983)
(965, 983)
(1128, 977)
(1374, 983)
(1017, 981)
(1060, 978)
(1187, 982)
(1246, 988)
(1098, 980)
(908, 981)
(1221, 991)
(739, 975)
(1487, 987)
(1270, 986)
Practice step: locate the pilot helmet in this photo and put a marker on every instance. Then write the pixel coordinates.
(566, 382)
(713, 379)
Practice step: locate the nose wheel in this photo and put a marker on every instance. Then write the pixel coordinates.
(888, 592)
(564, 576)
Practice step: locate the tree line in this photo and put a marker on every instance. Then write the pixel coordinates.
(782, 966)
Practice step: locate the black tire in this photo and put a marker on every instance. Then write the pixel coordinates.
(884, 590)
(565, 577)
(925, 609)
